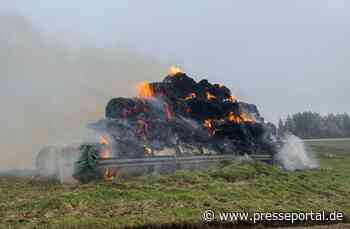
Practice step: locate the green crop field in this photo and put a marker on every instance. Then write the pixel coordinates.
(180, 198)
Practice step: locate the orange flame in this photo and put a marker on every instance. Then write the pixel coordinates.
(210, 96)
(190, 96)
(109, 174)
(233, 118)
(144, 90)
(243, 117)
(103, 140)
(105, 152)
(208, 123)
(173, 70)
(247, 118)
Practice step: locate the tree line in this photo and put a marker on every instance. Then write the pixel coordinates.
(313, 125)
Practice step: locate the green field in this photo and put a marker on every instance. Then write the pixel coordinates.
(180, 198)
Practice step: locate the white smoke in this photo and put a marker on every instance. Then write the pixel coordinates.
(293, 155)
(54, 163)
(51, 89)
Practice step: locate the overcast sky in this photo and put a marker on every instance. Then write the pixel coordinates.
(285, 56)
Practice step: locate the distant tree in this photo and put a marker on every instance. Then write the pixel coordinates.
(290, 125)
(347, 124)
(314, 125)
(280, 127)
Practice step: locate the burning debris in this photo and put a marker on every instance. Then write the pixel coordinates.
(175, 117)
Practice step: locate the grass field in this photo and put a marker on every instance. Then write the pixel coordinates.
(181, 197)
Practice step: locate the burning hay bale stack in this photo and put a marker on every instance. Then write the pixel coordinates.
(176, 117)
(180, 111)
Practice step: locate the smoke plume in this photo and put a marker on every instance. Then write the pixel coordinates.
(50, 89)
(293, 155)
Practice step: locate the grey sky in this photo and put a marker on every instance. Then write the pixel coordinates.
(285, 56)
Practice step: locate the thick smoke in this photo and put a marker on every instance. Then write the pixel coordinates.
(50, 89)
(293, 155)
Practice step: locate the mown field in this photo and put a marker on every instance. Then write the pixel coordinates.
(180, 198)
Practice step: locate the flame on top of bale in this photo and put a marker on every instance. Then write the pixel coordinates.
(144, 90)
(173, 71)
